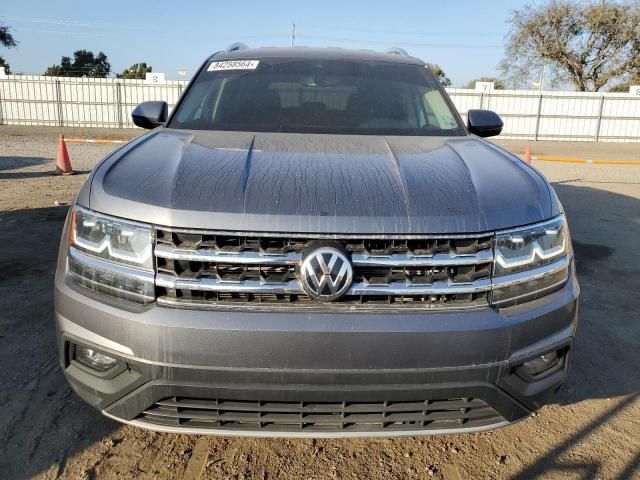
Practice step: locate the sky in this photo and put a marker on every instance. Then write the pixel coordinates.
(466, 38)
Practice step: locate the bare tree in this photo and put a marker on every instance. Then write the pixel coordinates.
(624, 86)
(587, 44)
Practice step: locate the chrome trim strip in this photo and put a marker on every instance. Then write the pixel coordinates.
(294, 287)
(439, 259)
(292, 434)
(293, 258)
(330, 236)
(436, 288)
(103, 265)
(320, 307)
(213, 285)
(207, 255)
(534, 274)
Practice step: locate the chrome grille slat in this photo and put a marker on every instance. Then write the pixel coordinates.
(208, 268)
(293, 287)
(252, 258)
(213, 285)
(207, 255)
(403, 289)
(401, 260)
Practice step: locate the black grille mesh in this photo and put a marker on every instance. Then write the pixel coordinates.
(300, 416)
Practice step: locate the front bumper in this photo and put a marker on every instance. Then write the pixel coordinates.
(304, 374)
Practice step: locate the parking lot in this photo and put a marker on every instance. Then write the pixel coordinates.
(592, 431)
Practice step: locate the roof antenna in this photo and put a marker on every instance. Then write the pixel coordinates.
(236, 46)
(293, 33)
(398, 51)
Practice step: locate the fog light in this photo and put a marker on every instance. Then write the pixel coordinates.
(93, 359)
(540, 364)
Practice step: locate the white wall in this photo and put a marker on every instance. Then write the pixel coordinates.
(89, 102)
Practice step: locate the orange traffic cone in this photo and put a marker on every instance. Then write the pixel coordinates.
(527, 155)
(63, 164)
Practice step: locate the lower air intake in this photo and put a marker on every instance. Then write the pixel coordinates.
(325, 417)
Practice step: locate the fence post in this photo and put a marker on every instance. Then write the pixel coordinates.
(1, 114)
(599, 118)
(538, 117)
(119, 105)
(59, 101)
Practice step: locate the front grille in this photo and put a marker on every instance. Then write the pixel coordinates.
(192, 413)
(203, 269)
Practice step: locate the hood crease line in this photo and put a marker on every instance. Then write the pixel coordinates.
(403, 183)
(466, 167)
(247, 171)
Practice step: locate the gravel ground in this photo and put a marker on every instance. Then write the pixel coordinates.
(592, 431)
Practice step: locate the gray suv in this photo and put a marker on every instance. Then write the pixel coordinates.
(313, 244)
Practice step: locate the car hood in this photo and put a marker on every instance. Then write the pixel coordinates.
(315, 183)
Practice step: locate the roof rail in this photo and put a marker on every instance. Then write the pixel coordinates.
(236, 46)
(398, 51)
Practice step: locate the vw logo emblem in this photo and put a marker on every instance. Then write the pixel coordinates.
(326, 274)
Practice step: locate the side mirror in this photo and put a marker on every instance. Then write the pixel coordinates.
(150, 114)
(484, 123)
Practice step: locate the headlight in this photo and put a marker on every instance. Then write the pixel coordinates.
(531, 261)
(531, 247)
(111, 255)
(112, 239)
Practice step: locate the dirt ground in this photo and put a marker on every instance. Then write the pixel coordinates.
(592, 431)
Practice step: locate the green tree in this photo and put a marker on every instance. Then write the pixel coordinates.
(3, 63)
(6, 40)
(585, 43)
(137, 70)
(440, 75)
(84, 64)
(498, 84)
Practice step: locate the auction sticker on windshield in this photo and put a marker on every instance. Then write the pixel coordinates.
(233, 65)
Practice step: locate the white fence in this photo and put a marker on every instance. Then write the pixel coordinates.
(579, 116)
(78, 102)
(89, 102)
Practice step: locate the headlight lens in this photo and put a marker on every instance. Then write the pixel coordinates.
(111, 256)
(531, 262)
(531, 247)
(112, 239)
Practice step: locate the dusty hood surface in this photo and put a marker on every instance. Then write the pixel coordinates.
(289, 182)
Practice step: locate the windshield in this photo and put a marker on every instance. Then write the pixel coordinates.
(317, 96)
